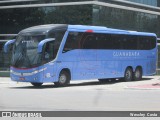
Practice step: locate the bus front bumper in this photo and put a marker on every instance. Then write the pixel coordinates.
(30, 75)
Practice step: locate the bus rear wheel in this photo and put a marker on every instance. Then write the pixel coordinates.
(37, 84)
(138, 74)
(64, 79)
(128, 75)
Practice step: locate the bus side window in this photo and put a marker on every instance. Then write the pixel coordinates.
(72, 41)
(89, 42)
(152, 42)
(48, 53)
(143, 43)
(58, 35)
(115, 41)
(69, 43)
(130, 42)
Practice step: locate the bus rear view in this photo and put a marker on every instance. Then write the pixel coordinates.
(61, 53)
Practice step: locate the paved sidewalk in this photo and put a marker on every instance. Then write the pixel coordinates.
(5, 80)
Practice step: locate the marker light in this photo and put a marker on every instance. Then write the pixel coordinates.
(89, 31)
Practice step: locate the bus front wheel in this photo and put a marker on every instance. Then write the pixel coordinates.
(64, 79)
(128, 75)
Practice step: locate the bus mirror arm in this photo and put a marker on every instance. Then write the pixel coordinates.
(7, 44)
(41, 44)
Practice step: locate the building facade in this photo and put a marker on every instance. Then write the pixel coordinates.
(146, 2)
(136, 15)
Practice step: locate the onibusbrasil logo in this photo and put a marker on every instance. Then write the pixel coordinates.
(21, 114)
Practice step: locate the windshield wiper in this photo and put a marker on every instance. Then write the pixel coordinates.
(22, 58)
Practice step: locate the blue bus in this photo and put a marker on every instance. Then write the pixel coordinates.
(60, 53)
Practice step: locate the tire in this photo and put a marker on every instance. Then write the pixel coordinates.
(138, 74)
(64, 79)
(37, 84)
(128, 75)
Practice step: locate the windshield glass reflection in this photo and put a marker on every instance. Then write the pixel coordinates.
(25, 51)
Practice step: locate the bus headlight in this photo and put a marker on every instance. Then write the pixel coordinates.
(35, 72)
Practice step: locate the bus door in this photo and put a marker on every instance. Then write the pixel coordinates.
(48, 56)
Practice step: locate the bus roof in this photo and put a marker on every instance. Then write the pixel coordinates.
(81, 28)
(101, 29)
(43, 28)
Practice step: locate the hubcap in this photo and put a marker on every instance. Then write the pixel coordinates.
(128, 74)
(62, 78)
(137, 74)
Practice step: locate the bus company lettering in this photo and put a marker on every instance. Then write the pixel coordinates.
(126, 54)
(28, 41)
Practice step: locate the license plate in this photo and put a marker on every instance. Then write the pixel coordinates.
(21, 78)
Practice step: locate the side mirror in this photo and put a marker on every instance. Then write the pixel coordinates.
(6, 45)
(41, 44)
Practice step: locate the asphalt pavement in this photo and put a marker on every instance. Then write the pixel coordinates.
(150, 83)
(87, 95)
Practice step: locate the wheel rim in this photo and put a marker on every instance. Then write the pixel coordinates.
(137, 74)
(128, 75)
(62, 78)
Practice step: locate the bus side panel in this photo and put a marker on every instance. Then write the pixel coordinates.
(149, 68)
(88, 64)
(110, 67)
(115, 62)
(99, 64)
(83, 64)
(67, 60)
(146, 60)
(49, 73)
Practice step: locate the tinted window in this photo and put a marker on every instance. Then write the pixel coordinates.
(104, 41)
(89, 41)
(54, 47)
(73, 41)
(48, 53)
(77, 40)
(128, 42)
(146, 43)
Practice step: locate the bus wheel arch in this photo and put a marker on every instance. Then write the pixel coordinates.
(64, 78)
(138, 73)
(128, 74)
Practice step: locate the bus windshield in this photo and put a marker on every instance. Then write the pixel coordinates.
(25, 51)
(25, 54)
